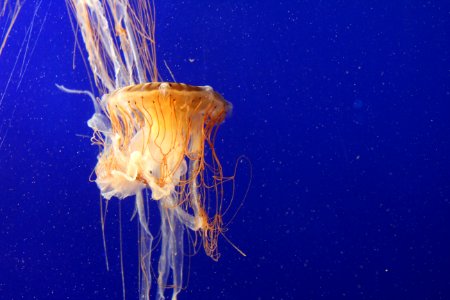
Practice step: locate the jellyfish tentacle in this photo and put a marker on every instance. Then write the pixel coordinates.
(145, 249)
(141, 212)
(172, 248)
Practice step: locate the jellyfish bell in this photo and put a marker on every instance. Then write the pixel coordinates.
(154, 128)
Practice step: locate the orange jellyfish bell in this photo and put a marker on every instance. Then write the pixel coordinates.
(154, 128)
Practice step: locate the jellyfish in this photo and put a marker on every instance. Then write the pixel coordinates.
(153, 136)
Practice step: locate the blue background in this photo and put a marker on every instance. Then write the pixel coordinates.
(342, 108)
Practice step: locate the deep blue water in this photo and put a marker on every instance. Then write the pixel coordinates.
(342, 108)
